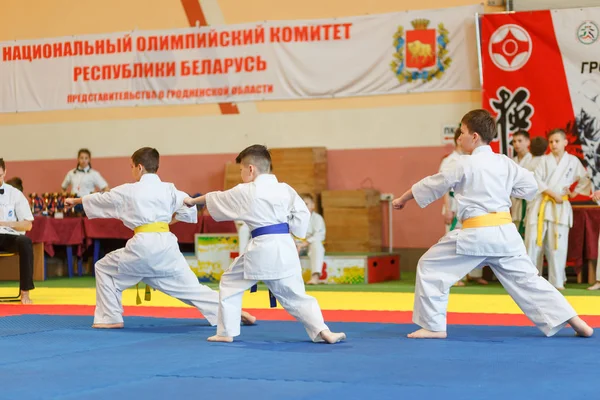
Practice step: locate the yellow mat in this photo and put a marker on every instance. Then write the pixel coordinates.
(463, 303)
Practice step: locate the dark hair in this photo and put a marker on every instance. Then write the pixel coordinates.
(148, 158)
(557, 131)
(2, 164)
(256, 155)
(538, 147)
(85, 151)
(457, 133)
(480, 122)
(16, 182)
(305, 196)
(525, 134)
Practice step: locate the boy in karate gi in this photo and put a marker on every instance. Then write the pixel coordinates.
(271, 210)
(483, 184)
(550, 216)
(315, 236)
(152, 255)
(450, 208)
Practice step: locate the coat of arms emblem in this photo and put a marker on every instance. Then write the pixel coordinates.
(422, 54)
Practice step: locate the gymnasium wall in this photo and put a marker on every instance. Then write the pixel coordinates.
(385, 142)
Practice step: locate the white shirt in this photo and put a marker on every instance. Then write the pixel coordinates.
(13, 207)
(261, 203)
(84, 181)
(316, 228)
(150, 254)
(483, 183)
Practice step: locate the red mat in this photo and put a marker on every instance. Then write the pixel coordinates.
(396, 317)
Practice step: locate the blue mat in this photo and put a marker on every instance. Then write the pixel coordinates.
(51, 357)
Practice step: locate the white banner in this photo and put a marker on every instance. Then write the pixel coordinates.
(414, 51)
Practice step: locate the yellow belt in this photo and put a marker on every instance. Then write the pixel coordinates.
(491, 219)
(541, 217)
(152, 227)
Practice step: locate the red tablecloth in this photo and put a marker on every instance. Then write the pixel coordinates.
(52, 231)
(114, 229)
(80, 232)
(583, 236)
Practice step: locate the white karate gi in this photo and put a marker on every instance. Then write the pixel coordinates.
(557, 177)
(271, 258)
(315, 237)
(151, 257)
(483, 183)
(447, 164)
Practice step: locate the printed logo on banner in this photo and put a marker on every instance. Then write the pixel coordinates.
(422, 54)
(513, 112)
(587, 33)
(510, 47)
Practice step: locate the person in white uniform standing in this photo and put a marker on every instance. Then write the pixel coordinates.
(315, 236)
(483, 185)
(550, 216)
(152, 255)
(272, 211)
(450, 208)
(83, 179)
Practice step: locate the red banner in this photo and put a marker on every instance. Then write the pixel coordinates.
(538, 75)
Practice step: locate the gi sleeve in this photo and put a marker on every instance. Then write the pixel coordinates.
(183, 213)
(105, 204)
(228, 205)
(540, 175)
(525, 185)
(429, 189)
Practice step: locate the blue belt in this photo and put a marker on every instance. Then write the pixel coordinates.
(282, 228)
(271, 230)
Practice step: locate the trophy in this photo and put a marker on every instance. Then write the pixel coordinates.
(45, 210)
(37, 204)
(59, 204)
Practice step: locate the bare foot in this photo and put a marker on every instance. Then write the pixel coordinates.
(247, 318)
(25, 299)
(560, 289)
(331, 337)
(108, 326)
(581, 328)
(217, 338)
(595, 286)
(314, 280)
(481, 281)
(425, 334)
(459, 283)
